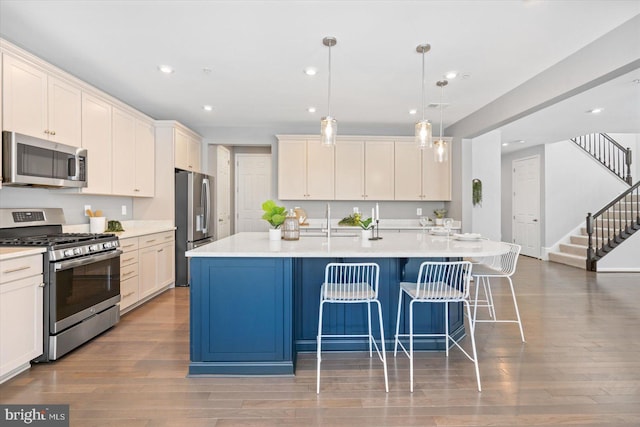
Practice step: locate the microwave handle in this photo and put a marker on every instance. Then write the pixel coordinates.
(74, 164)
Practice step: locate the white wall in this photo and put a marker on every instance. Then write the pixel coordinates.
(72, 204)
(624, 258)
(575, 184)
(485, 158)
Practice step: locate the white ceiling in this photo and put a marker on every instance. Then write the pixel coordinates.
(257, 51)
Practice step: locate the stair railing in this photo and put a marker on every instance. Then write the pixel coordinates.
(612, 224)
(608, 152)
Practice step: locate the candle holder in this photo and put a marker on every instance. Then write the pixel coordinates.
(376, 235)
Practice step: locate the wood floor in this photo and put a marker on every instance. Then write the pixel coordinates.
(579, 366)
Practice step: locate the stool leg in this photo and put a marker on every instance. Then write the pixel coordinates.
(473, 344)
(411, 342)
(319, 346)
(515, 305)
(487, 292)
(446, 327)
(395, 346)
(384, 351)
(369, 323)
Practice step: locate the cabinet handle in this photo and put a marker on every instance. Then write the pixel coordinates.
(136, 189)
(41, 285)
(160, 250)
(46, 131)
(128, 246)
(128, 259)
(53, 132)
(128, 295)
(150, 241)
(13, 270)
(127, 273)
(168, 237)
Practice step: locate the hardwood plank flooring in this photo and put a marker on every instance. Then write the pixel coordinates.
(579, 366)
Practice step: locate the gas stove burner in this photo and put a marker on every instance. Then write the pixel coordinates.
(53, 239)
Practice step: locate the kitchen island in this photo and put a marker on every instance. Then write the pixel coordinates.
(254, 302)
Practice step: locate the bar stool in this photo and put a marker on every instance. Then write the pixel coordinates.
(352, 283)
(437, 283)
(500, 266)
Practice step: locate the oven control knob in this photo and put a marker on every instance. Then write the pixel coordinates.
(77, 251)
(68, 252)
(107, 245)
(94, 248)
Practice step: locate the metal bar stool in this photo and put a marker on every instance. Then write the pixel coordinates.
(352, 283)
(500, 266)
(438, 283)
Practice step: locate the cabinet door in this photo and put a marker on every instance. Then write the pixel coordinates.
(379, 179)
(145, 159)
(166, 260)
(124, 160)
(96, 138)
(20, 322)
(181, 150)
(320, 171)
(24, 98)
(436, 177)
(349, 170)
(147, 270)
(408, 171)
(292, 170)
(64, 112)
(193, 155)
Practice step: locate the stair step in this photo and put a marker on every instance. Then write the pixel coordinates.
(579, 240)
(568, 259)
(568, 248)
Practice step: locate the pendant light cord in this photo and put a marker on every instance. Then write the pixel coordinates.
(329, 100)
(441, 108)
(423, 85)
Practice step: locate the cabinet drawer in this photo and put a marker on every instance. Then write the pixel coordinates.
(18, 268)
(156, 239)
(128, 258)
(128, 271)
(129, 245)
(128, 292)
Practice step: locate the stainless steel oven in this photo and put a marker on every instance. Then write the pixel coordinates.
(81, 277)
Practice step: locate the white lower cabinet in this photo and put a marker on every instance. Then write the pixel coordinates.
(21, 292)
(147, 266)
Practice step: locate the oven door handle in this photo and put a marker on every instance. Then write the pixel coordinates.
(65, 265)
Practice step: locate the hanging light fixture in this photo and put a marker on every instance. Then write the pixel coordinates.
(440, 145)
(328, 125)
(423, 127)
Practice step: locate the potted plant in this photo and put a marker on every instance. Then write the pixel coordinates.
(275, 216)
(367, 227)
(439, 213)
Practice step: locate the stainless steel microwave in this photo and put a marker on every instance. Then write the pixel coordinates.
(38, 162)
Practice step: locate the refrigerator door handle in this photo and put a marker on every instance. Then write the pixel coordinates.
(206, 204)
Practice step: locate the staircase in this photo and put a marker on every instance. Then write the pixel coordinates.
(612, 224)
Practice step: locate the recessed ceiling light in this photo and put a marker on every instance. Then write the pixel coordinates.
(207, 108)
(207, 70)
(636, 81)
(166, 69)
(413, 111)
(595, 111)
(311, 109)
(504, 144)
(310, 71)
(451, 75)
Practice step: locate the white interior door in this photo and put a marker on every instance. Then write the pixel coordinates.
(223, 193)
(253, 187)
(526, 205)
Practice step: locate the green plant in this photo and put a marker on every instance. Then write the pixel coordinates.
(366, 224)
(476, 195)
(440, 213)
(273, 213)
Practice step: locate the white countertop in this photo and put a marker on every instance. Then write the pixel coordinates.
(393, 245)
(7, 253)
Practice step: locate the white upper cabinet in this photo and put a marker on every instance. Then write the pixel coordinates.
(364, 170)
(133, 155)
(96, 138)
(187, 151)
(40, 105)
(305, 170)
(418, 176)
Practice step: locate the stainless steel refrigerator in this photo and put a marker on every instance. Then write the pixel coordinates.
(193, 216)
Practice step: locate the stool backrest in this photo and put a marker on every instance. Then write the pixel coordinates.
(444, 280)
(507, 262)
(348, 279)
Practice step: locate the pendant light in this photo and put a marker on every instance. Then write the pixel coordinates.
(440, 146)
(423, 127)
(328, 125)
